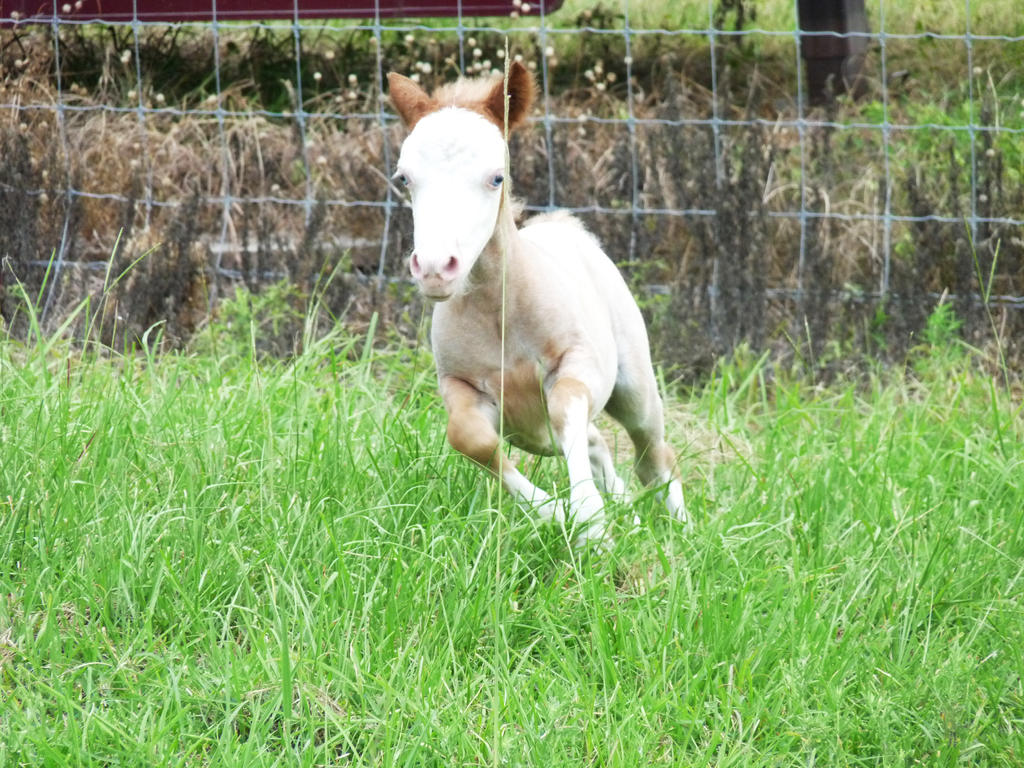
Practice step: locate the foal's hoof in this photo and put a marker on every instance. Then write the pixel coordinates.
(592, 536)
(672, 496)
(551, 510)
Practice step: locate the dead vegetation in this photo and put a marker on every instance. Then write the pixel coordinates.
(238, 186)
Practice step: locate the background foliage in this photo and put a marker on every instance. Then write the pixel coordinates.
(251, 194)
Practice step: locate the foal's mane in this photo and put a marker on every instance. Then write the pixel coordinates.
(484, 95)
(466, 92)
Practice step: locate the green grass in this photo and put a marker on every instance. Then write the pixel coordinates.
(212, 559)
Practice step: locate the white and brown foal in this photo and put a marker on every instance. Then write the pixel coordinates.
(534, 330)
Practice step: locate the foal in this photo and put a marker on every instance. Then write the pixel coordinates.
(536, 322)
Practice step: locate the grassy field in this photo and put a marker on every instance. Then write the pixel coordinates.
(212, 559)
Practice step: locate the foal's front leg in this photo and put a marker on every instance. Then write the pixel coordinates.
(471, 432)
(569, 404)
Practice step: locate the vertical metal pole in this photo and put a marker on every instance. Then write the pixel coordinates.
(716, 265)
(300, 114)
(225, 171)
(973, 223)
(802, 133)
(389, 200)
(58, 262)
(886, 137)
(631, 128)
(545, 89)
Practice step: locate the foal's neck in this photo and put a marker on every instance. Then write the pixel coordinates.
(495, 273)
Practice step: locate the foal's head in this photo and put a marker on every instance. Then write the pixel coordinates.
(453, 163)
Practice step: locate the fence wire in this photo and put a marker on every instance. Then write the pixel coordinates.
(984, 128)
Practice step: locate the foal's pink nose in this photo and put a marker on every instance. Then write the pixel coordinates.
(447, 271)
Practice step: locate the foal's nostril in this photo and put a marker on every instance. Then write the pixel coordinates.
(431, 270)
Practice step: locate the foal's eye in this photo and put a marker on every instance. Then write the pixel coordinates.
(496, 181)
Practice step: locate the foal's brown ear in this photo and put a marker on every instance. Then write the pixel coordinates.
(410, 101)
(520, 97)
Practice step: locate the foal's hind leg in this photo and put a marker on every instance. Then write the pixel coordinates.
(638, 407)
(601, 464)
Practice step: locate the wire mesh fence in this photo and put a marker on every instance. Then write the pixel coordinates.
(746, 204)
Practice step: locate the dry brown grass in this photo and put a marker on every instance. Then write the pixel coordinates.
(265, 196)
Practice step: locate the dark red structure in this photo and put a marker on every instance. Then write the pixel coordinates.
(834, 61)
(239, 10)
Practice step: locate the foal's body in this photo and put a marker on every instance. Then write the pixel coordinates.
(535, 331)
(553, 269)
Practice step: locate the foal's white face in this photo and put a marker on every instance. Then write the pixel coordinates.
(453, 164)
